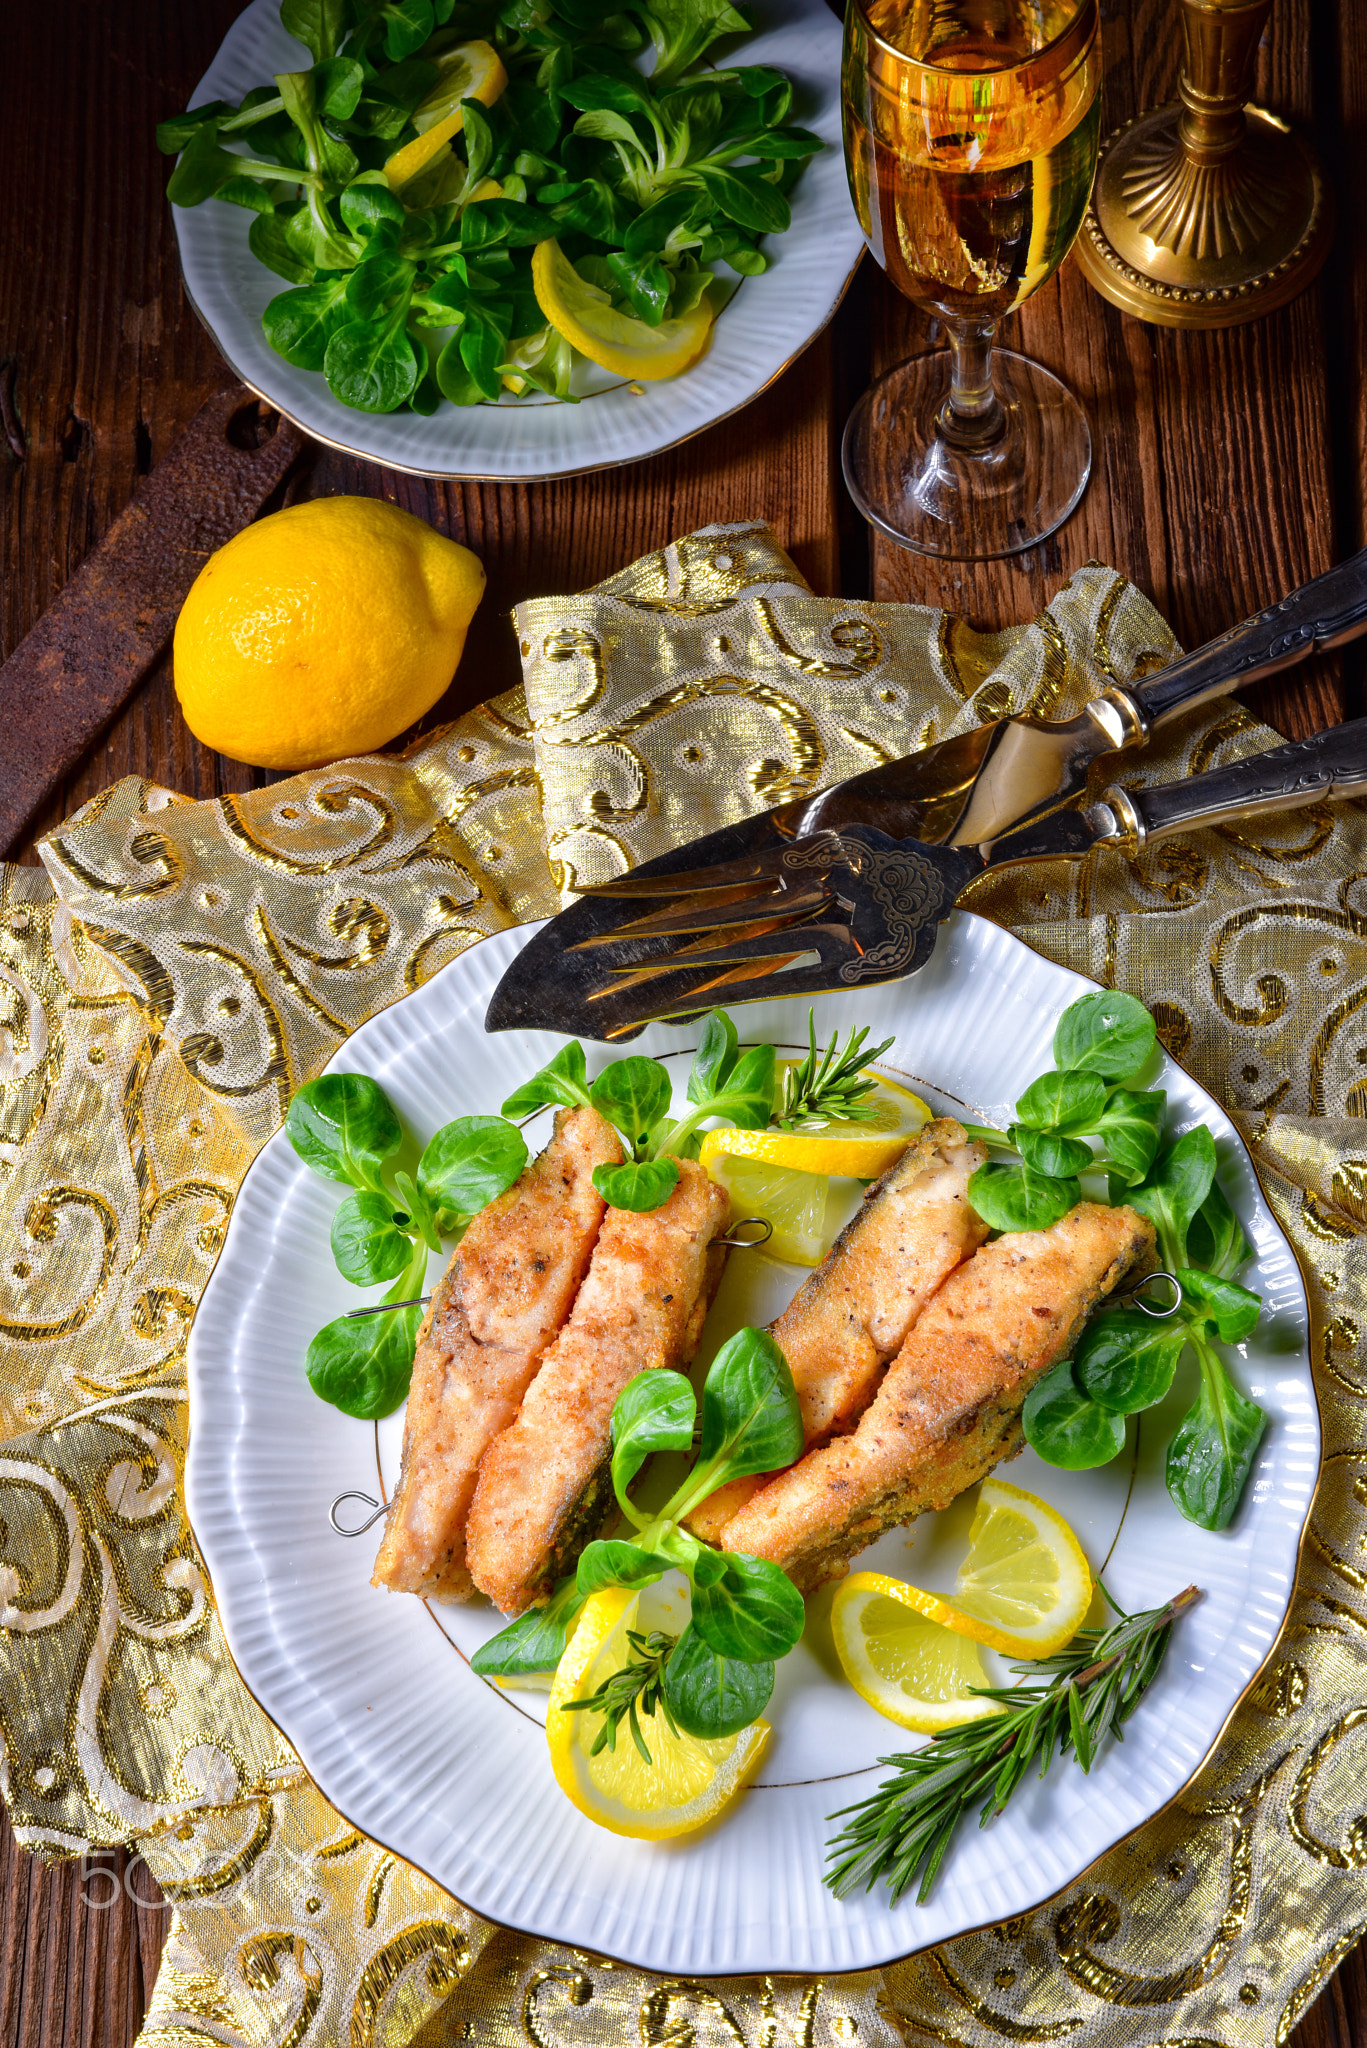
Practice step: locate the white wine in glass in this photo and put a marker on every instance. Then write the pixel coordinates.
(971, 132)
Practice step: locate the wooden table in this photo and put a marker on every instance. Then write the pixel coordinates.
(1229, 467)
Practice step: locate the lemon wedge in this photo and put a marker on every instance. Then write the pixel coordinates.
(793, 1203)
(584, 315)
(860, 1150)
(472, 71)
(1025, 1586)
(902, 1660)
(687, 1783)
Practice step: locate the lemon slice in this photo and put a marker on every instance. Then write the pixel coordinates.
(472, 71)
(792, 1203)
(585, 316)
(899, 1658)
(1025, 1586)
(859, 1150)
(689, 1781)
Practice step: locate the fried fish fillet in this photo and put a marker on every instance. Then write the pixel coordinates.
(500, 1303)
(853, 1313)
(949, 1405)
(544, 1485)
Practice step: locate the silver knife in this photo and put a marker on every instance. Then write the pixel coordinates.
(727, 920)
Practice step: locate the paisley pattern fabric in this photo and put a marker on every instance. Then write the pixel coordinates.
(182, 967)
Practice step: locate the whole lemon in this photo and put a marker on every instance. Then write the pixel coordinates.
(322, 631)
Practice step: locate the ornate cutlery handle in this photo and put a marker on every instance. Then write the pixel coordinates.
(1324, 613)
(1333, 763)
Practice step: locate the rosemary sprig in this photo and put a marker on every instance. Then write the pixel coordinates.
(827, 1085)
(637, 1686)
(1092, 1686)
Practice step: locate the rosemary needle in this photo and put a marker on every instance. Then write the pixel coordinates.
(1090, 1688)
(638, 1685)
(828, 1085)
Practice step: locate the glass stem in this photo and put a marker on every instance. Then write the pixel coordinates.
(972, 416)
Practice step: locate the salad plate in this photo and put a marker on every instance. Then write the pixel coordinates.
(375, 1690)
(766, 323)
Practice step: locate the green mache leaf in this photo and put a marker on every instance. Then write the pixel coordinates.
(682, 30)
(645, 284)
(407, 25)
(482, 345)
(1212, 1451)
(718, 1050)
(1175, 1189)
(633, 1094)
(344, 1127)
(1019, 1198)
(368, 201)
(640, 1185)
(745, 1607)
(594, 210)
(746, 1097)
(1066, 1427)
(271, 244)
(787, 143)
(654, 1412)
(596, 92)
(378, 280)
(712, 1696)
(1215, 1241)
(1057, 1158)
(614, 1563)
(204, 166)
(1104, 1033)
(563, 1080)
(651, 230)
(604, 125)
(751, 1421)
(248, 192)
(453, 379)
(371, 367)
(1071, 1104)
(339, 82)
(363, 1367)
(1233, 1309)
(1125, 1360)
(689, 287)
(470, 1161)
(173, 135)
(479, 141)
(318, 24)
(515, 224)
(299, 324)
(368, 1242)
(749, 200)
(535, 1641)
(1132, 1130)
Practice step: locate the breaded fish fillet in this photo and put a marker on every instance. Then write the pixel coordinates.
(505, 1294)
(949, 1406)
(544, 1485)
(853, 1313)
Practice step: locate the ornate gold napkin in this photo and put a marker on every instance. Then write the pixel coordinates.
(183, 966)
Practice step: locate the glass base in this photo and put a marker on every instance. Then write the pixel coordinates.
(967, 506)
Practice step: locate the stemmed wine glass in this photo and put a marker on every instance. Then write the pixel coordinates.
(971, 133)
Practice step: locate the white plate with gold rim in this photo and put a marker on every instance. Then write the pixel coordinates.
(767, 322)
(375, 1691)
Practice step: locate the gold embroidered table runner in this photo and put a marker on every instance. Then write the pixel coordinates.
(182, 967)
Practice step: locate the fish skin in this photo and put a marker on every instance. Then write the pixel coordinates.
(852, 1314)
(544, 1485)
(949, 1407)
(506, 1293)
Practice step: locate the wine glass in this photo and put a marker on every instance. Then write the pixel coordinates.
(971, 133)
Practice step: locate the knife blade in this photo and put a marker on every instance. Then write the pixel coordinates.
(843, 908)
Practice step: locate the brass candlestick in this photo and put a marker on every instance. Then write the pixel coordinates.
(1210, 211)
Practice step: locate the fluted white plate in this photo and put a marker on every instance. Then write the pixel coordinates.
(374, 1689)
(768, 322)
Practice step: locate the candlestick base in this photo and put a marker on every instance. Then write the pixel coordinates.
(1186, 243)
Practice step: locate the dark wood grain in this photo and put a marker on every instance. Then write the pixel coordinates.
(1228, 468)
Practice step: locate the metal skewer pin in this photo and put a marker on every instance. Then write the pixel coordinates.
(380, 1506)
(1148, 1308)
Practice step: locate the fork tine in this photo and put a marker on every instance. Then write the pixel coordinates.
(692, 916)
(771, 986)
(755, 867)
(838, 945)
(678, 958)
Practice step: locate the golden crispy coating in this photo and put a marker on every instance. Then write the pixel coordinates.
(852, 1314)
(543, 1486)
(505, 1294)
(949, 1406)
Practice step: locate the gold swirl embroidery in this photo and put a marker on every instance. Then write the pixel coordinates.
(148, 849)
(1147, 659)
(332, 800)
(228, 1873)
(1321, 1221)
(259, 1960)
(1053, 678)
(859, 638)
(351, 1840)
(202, 1049)
(1311, 1985)
(158, 997)
(414, 974)
(1281, 1691)
(1342, 1332)
(296, 987)
(1000, 2022)
(1349, 1188)
(577, 1987)
(370, 1912)
(658, 2030)
(1092, 1919)
(211, 1236)
(40, 1221)
(571, 643)
(134, 1132)
(362, 926)
(1347, 1572)
(159, 1309)
(870, 745)
(1323, 1041)
(444, 846)
(1353, 1854)
(447, 1955)
(1174, 1027)
(563, 870)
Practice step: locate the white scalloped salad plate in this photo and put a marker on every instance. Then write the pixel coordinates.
(375, 1690)
(768, 321)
